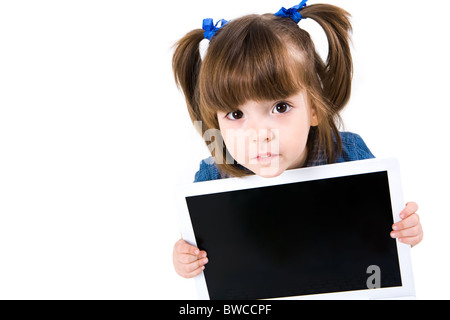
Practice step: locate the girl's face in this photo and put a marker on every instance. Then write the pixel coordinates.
(269, 137)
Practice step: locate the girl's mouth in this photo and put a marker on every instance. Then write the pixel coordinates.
(266, 157)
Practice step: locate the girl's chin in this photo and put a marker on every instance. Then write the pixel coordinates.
(269, 172)
(270, 176)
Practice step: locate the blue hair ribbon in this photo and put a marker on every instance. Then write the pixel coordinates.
(292, 12)
(211, 28)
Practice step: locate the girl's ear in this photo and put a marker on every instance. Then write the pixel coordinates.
(314, 117)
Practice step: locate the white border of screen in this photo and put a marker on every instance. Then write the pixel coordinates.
(307, 174)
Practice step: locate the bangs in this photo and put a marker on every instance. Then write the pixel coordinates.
(248, 61)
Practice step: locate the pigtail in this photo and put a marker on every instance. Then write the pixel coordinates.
(335, 77)
(337, 72)
(186, 64)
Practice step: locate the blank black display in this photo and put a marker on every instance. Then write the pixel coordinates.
(297, 239)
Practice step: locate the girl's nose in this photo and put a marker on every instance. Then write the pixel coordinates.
(262, 135)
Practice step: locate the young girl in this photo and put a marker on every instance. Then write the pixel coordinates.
(267, 102)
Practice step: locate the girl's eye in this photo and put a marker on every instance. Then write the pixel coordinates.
(236, 115)
(281, 107)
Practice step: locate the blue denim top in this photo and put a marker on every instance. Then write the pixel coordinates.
(353, 148)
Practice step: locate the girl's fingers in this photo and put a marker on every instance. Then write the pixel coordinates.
(410, 232)
(411, 236)
(411, 207)
(183, 247)
(409, 222)
(194, 273)
(193, 269)
(189, 261)
(186, 258)
(194, 266)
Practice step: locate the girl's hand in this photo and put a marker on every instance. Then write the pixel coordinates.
(188, 260)
(409, 230)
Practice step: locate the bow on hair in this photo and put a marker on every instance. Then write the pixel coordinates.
(292, 12)
(210, 28)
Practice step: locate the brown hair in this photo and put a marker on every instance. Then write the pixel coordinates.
(264, 57)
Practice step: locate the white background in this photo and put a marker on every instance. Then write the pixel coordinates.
(94, 136)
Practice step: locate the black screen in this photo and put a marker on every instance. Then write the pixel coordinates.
(297, 239)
